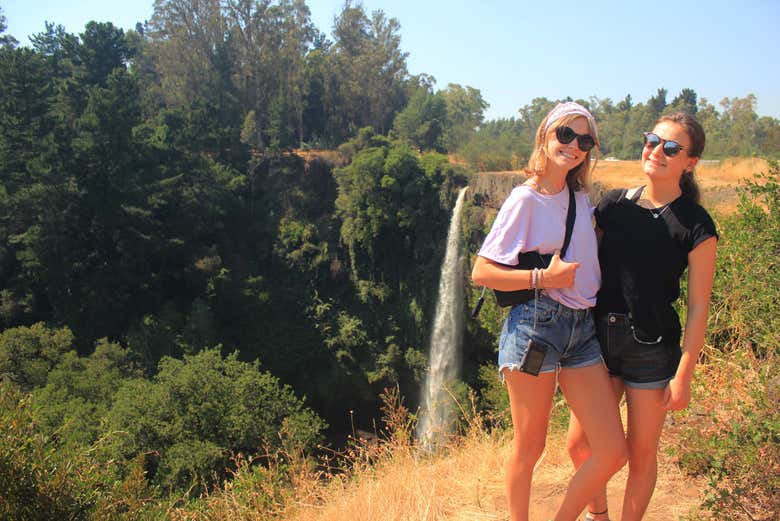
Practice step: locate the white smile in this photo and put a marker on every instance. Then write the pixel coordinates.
(567, 155)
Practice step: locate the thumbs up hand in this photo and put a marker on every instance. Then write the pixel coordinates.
(559, 274)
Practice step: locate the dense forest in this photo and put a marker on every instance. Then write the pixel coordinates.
(182, 279)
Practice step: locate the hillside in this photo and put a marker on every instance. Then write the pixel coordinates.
(467, 484)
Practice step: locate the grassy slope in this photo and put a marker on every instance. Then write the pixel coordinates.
(467, 484)
(389, 480)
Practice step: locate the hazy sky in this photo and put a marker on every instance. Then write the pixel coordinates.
(515, 50)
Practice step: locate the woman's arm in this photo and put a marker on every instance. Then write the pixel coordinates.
(497, 276)
(559, 274)
(701, 271)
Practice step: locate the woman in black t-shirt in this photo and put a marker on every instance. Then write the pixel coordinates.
(648, 236)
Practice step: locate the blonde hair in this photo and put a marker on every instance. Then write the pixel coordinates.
(578, 177)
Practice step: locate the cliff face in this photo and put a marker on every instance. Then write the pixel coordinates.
(491, 188)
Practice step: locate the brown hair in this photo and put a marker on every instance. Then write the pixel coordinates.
(693, 128)
(577, 177)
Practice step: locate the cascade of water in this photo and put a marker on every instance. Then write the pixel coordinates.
(444, 357)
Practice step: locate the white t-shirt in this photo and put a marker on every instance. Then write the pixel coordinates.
(530, 221)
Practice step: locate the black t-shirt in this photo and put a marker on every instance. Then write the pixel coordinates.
(643, 254)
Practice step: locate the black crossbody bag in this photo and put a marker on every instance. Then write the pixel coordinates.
(529, 260)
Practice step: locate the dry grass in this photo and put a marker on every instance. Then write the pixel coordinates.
(710, 175)
(392, 480)
(332, 157)
(466, 483)
(717, 181)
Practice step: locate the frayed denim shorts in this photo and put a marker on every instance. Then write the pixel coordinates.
(641, 360)
(569, 335)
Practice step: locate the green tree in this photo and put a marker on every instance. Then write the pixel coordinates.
(625, 104)
(58, 48)
(187, 41)
(717, 136)
(315, 116)
(28, 354)
(768, 136)
(685, 101)
(25, 96)
(5, 39)
(641, 119)
(199, 410)
(270, 43)
(79, 391)
(656, 104)
(103, 49)
(368, 71)
(739, 121)
(465, 113)
(41, 479)
(501, 144)
(532, 115)
(422, 123)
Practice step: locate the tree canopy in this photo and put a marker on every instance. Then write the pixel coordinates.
(185, 274)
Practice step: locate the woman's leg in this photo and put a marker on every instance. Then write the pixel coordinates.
(579, 451)
(530, 400)
(646, 414)
(592, 400)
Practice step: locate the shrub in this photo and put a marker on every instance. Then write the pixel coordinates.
(746, 294)
(79, 392)
(731, 435)
(735, 441)
(27, 354)
(198, 411)
(39, 479)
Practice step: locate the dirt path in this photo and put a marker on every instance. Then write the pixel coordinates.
(467, 484)
(676, 495)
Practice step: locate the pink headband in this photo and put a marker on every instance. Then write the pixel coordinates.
(569, 108)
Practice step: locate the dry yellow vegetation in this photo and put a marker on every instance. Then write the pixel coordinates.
(389, 479)
(466, 483)
(726, 172)
(717, 179)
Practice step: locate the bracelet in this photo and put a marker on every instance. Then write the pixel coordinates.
(533, 278)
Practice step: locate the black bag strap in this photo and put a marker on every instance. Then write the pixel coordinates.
(636, 195)
(570, 218)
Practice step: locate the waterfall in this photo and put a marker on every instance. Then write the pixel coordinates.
(444, 357)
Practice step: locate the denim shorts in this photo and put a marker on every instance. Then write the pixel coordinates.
(643, 361)
(569, 335)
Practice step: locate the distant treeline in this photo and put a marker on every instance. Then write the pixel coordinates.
(735, 130)
(174, 281)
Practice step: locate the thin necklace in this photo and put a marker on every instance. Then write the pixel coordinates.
(655, 213)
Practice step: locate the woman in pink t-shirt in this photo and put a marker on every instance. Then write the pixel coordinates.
(555, 329)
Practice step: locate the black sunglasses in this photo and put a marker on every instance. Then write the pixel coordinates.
(670, 148)
(566, 135)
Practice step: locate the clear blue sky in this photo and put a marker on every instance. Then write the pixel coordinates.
(516, 50)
